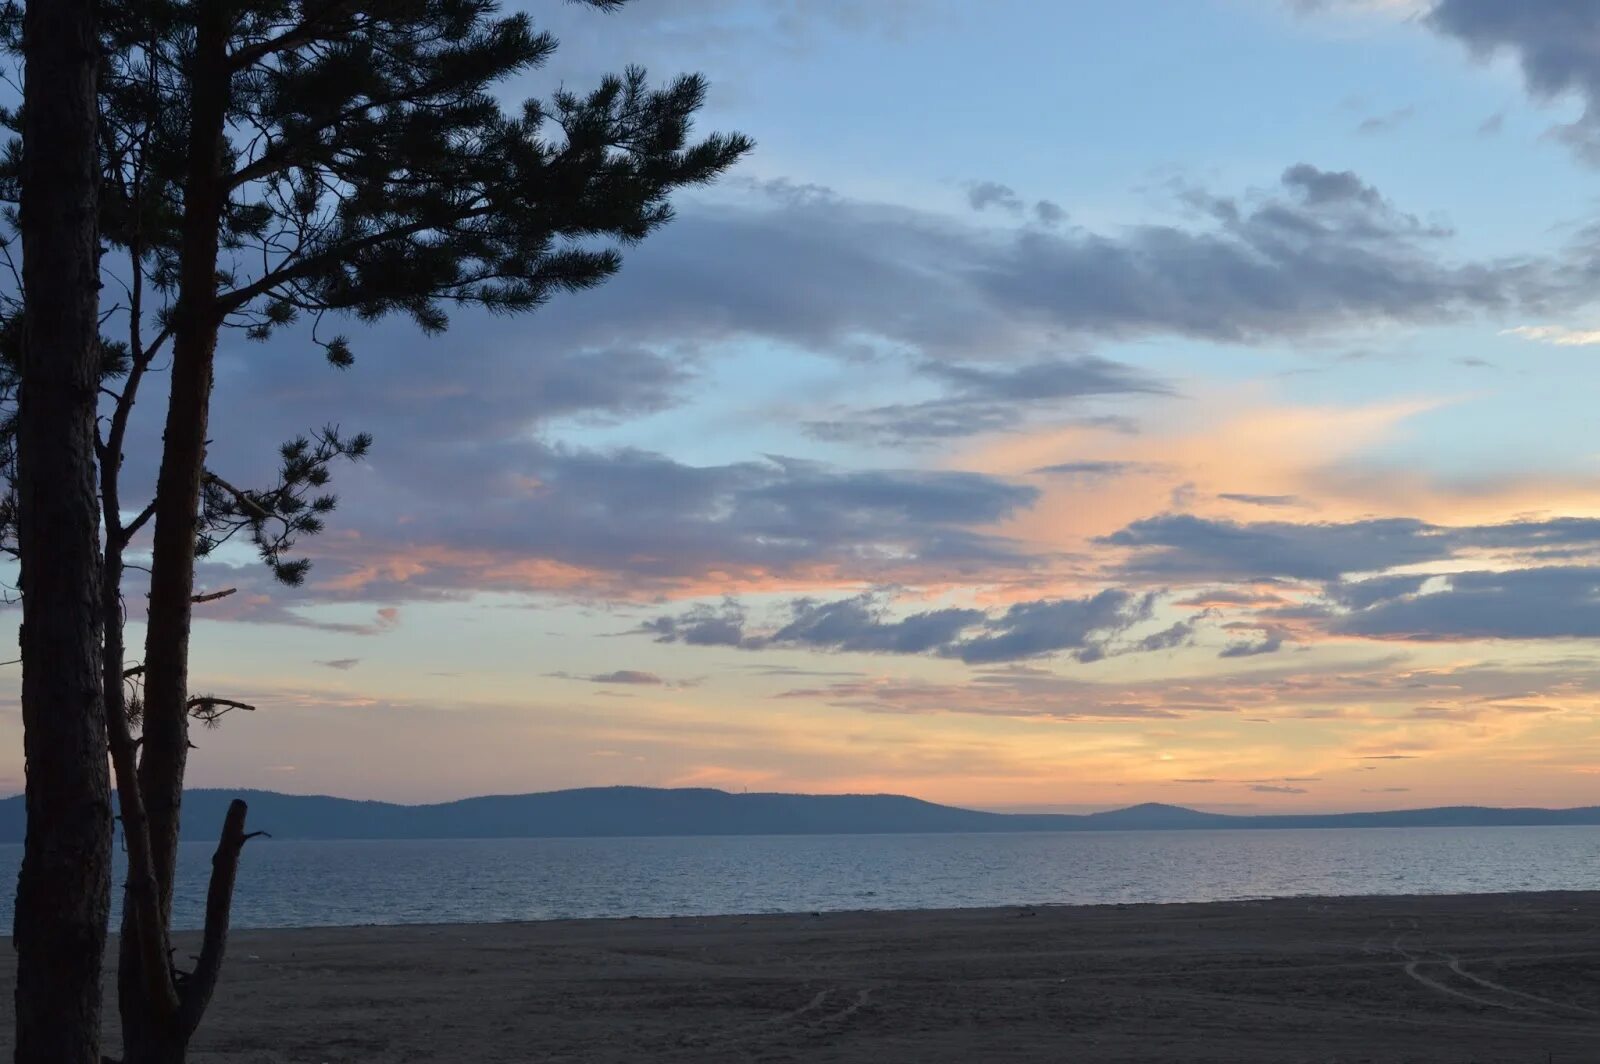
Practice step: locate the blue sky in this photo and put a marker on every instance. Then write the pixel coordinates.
(1065, 405)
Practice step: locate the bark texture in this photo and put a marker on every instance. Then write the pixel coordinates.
(63, 893)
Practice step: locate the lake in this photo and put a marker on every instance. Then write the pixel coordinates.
(300, 883)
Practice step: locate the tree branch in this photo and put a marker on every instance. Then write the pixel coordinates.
(244, 498)
(208, 708)
(231, 301)
(197, 989)
(132, 527)
(305, 33)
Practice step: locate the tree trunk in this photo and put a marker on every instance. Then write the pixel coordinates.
(63, 893)
(153, 1031)
(162, 1036)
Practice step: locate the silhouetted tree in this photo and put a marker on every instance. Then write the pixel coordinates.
(63, 893)
(273, 161)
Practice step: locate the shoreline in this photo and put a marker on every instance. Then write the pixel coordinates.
(1435, 979)
(949, 911)
(1577, 893)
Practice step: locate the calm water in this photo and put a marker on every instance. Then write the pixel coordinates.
(292, 884)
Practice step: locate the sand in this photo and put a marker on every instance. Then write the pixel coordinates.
(1510, 977)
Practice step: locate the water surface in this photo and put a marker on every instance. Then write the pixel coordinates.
(329, 883)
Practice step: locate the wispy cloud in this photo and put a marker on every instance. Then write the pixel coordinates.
(1559, 335)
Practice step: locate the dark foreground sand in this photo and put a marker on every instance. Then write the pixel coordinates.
(1488, 978)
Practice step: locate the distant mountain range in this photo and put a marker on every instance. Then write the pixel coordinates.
(622, 811)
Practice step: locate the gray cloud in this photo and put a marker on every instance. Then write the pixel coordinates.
(1092, 468)
(342, 664)
(1048, 379)
(1183, 546)
(1262, 500)
(1325, 252)
(701, 626)
(1271, 643)
(1555, 42)
(858, 624)
(636, 519)
(988, 399)
(1556, 602)
(984, 194)
(1032, 629)
(1085, 629)
(526, 516)
(1319, 188)
(627, 676)
(1360, 594)
(1049, 213)
(1180, 633)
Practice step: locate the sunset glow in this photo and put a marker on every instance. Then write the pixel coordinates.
(1141, 428)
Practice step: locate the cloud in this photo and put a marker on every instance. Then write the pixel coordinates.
(631, 677)
(1326, 251)
(1556, 44)
(1273, 788)
(1554, 602)
(1188, 547)
(1049, 213)
(629, 522)
(984, 194)
(1010, 695)
(970, 308)
(1032, 629)
(858, 624)
(1180, 633)
(1092, 468)
(701, 626)
(1262, 500)
(1084, 628)
(1320, 188)
(1360, 594)
(980, 398)
(1559, 335)
(1271, 644)
(981, 195)
(342, 664)
(1321, 251)
(259, 599)
(1385, 122)
(1366, 691)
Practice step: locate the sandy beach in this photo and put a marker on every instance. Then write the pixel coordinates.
(1490, 978)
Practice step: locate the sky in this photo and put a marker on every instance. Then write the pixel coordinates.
(1064, 406)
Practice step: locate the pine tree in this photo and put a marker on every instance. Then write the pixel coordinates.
(63, 893)
(273, 162)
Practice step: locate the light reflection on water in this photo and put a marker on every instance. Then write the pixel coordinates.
(295, 883)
